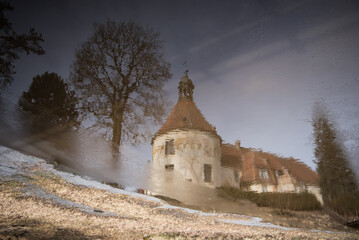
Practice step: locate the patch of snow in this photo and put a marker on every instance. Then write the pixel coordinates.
(192, 211)
(255, 222)
(14, 160)
(324, 231)
(7, 171)
(130, 189)
(78, 180)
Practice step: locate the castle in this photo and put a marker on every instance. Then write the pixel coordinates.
(189, 146)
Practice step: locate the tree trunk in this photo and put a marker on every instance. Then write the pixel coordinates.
(117, 134)
(116, 138)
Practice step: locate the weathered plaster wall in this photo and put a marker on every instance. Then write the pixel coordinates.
(316, 191)
(228, 177)
(258, 187)
(286, 183)
(271, 188)
(193, 149)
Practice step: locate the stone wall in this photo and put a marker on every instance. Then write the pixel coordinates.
(193, 150)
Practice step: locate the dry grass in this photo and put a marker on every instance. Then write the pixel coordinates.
(281, 201)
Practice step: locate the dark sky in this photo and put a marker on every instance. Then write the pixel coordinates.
(257, 66)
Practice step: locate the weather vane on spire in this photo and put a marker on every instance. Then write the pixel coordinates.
(186, 65)
(185, 86)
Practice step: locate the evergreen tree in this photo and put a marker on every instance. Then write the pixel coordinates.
(50, 103)
(336, 177)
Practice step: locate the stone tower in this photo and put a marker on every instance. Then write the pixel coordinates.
(186, 144)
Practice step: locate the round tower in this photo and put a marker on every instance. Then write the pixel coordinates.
(187, 145)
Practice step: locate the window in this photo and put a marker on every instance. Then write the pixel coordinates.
(170, 147)
(236, 177)
(263, 173)
(169, 167)
(264, 188)
(207, 173)
(278, 173)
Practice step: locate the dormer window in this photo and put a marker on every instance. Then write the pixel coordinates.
(170, 147)
(263, 173)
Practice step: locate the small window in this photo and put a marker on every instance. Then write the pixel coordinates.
(236, 176)
(207, 173)
(263, 173)
(264, 188)
(278, 173)
(169, 167)
(170, 147)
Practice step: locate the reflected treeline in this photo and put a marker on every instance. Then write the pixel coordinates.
(337, 180)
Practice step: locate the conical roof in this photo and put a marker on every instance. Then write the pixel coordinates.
(186, 115)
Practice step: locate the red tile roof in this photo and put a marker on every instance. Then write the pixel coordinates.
(273, 161)
(231, 157)
(301, 171)
(186, 115)
(252, 161)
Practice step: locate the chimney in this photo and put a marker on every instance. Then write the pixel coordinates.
(238, 145)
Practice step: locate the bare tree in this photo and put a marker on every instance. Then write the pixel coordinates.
(119, 74)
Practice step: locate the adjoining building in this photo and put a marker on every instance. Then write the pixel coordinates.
(188, 145)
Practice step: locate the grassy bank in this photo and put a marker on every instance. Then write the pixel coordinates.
(38, 202)
(282, 201)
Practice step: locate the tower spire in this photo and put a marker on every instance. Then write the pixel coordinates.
(185, 88)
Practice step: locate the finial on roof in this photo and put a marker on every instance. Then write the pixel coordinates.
(186, 65)
(185, 87)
